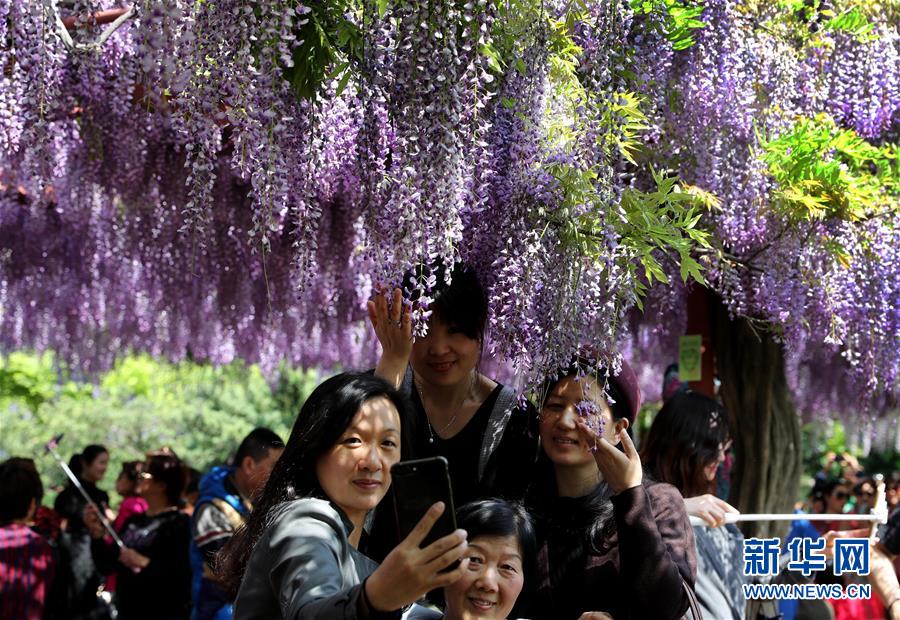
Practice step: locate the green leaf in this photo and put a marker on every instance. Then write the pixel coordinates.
(343, 83)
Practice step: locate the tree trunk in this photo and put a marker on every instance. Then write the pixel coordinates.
(764, 423)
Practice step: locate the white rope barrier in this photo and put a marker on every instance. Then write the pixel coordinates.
(730, 517)
(879, 514)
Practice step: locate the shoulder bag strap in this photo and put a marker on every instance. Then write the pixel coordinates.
(693, 604)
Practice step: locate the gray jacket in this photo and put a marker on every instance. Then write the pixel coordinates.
(304, 567)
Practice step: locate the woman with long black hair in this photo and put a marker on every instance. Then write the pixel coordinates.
(687, 442)
(611, 540)
(302, 552)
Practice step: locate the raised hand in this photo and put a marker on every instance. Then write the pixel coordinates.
(709, 508)
(394, 331)
(620, 470)
(408, 572)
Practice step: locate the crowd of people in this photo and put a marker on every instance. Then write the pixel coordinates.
(559, 514)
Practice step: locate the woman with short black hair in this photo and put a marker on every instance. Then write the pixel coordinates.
(473, 421)
(501, 554)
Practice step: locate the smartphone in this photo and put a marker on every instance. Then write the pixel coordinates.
(417, 485)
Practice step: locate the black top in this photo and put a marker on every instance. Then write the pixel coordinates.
(70, 504)
(162, 590)
(626, 554)
(890, 533)
(77, 579)
(461, 451)
(509, 467)
(507, 470)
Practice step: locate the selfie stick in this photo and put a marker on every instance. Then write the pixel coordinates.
(51, 448)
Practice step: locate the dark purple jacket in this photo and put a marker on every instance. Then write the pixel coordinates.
(626, 555)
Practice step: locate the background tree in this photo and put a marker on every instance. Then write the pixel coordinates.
(200, 411)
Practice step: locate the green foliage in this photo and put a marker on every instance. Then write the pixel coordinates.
(851, 21)
(674, 19)
(824, 172)
(808, 23)
(27, 378)
(653, 225)
(330, 42)
(661, 222)
(201, 411)
(881, 462)
(821, 441)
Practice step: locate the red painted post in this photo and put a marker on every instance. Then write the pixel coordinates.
(698, 322)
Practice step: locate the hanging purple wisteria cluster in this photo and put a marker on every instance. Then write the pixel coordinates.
(233, 179)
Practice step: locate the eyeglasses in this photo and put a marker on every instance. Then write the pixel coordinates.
(840, 495)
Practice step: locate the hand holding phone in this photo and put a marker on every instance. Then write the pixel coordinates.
(411, 569)
(416, 486)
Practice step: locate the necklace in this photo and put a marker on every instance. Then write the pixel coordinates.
(442, 430)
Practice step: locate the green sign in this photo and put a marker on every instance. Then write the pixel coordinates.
(689, 358)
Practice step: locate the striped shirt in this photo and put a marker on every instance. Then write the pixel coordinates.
(26, 571)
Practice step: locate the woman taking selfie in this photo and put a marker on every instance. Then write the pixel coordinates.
(457, 412)
(610, 540)
(300, 554)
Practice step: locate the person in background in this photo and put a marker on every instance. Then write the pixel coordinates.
(881, 565)
(77, 567)
(610, 539)
(892, 491)
(502, 552)
(153, 569)
(191, 491)
(26, 558)
(684, 447)
(127, 487)
(830, 498)
(225, 500)
(132, 503)
(864, 492)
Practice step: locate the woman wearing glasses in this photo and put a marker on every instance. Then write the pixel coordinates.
(686, 444)
(153, 570)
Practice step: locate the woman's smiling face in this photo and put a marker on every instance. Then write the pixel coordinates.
(445, 356)
(570, 400)
(491, 584)
(356, 473)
